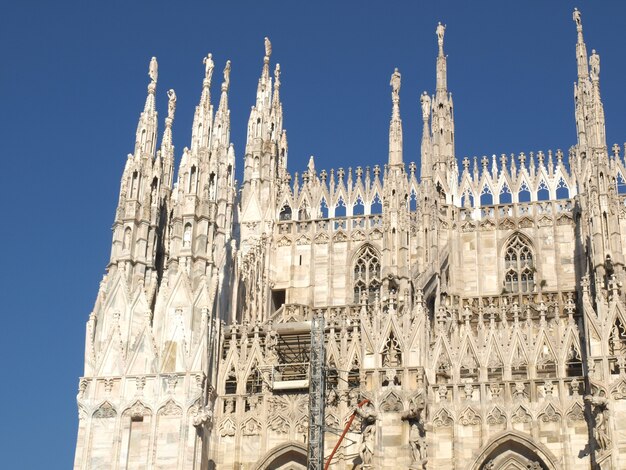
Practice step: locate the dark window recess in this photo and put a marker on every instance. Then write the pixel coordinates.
(278, 299)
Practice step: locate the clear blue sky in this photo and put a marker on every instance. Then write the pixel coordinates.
(73, 81)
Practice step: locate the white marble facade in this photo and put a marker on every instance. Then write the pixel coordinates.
(479, 309)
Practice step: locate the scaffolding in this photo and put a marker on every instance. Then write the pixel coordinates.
(316, 393)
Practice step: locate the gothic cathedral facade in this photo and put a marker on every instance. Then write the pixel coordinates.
(470, 317)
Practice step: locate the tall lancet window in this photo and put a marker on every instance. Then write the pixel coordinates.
(367, 274)
(519, 265)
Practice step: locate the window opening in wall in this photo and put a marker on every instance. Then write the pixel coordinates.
(354, 378)
(505, 195)
(230, 384)
(278, 297)
(617, 340)
(562, 191)
(519, 266)
(413, 202)
(392, 355)
(285, 213)
(332, 377)
(621, 184)
(254, 383)
(543, 194)
(486, 198)
(323, 209)
(358, 208)
(340, 208)
(376, 206)
(546, 364)
(367, 279)
(524, 193)
(574, 364)
(303, 213)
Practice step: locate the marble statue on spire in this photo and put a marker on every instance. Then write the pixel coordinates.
(425, 100)
(209, 65)
(153, 71)
(395, 85)
(226, 83)
(576, 17)
(277, 76)
(441, 30)
(594, 65)
(171, 103)
(268, 48)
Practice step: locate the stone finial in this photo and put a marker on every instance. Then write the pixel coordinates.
(171, 104)
(209, 65)
(616, 150)
(466, 164)
(153, 70)
(425, 101)
(277, 76)
(440, 31)
(268, 49)
(395, 83)
(226, 83)
(577, 19)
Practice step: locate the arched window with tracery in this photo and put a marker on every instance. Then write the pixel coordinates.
(367, 274)
(519, 265)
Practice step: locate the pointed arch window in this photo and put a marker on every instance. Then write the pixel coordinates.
(367, 279)
(519, 265)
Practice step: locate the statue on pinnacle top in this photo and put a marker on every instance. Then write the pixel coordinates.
(441, 30)
(576, 17)
(153, 71)
(268, 48)
(171, 103)
(425, 100)
(277, 76)
(226, 83)
(395, 84)
(208, 67)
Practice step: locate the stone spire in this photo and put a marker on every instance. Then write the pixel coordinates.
(442, 125)
(203, 117)
(605, 253)
(166, 156)
(395, 126)
(221, 128)
(426, 150)
(145, 141)
(144, 190)
(265, 153)
(581, 48)
(442, 73)
(589, 109)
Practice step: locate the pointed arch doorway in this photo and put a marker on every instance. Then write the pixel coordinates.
(288, 456)
(514, 451)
